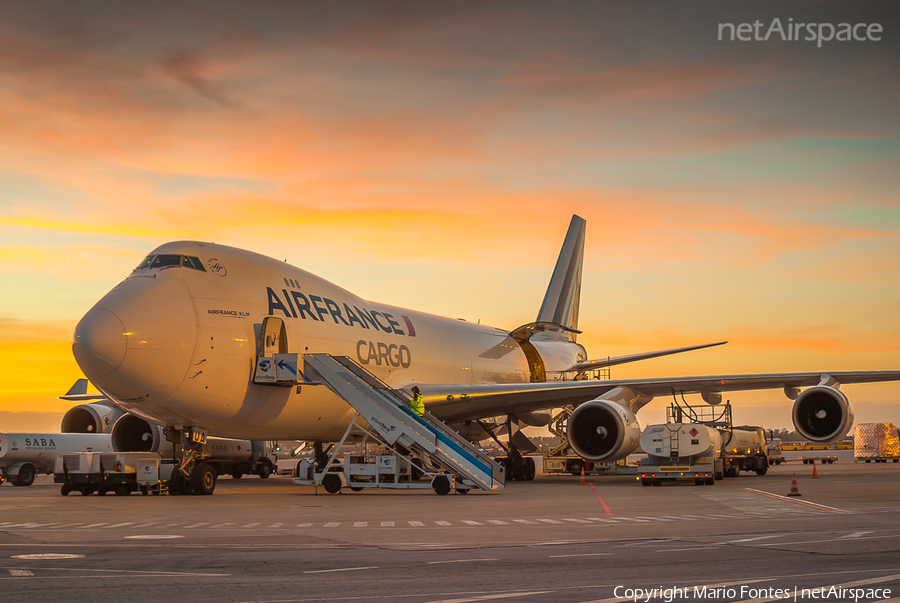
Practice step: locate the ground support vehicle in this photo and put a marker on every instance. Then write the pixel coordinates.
(26, 455)
(118, 472)
(876, 443)
(702, 474)
(73, 471)
(774, 451)
(823, 460)
(402, 439)
(680, 451)
(236, 458)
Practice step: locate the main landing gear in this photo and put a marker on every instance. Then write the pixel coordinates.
(193, 475)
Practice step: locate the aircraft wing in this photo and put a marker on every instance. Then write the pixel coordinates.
(469, 402)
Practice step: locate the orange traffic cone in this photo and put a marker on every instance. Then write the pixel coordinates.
(582, 482)
(794, 491)
(815, 473)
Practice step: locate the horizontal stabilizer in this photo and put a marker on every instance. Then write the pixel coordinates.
(595, 364)
(80, 387)
(82, 397)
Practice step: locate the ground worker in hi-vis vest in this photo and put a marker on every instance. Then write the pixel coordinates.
(416, 404)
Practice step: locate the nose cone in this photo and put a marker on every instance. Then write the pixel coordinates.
(99, 343)
(136, 344)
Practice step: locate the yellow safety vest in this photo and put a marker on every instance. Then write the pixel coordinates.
(417, 405)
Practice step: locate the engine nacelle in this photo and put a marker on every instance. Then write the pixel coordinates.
(822, 414)
(90, 418)
(134, 434)
(603, 430)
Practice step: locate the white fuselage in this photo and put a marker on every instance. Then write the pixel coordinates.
(178, 345)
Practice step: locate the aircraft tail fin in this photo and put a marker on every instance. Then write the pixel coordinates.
(563, 297)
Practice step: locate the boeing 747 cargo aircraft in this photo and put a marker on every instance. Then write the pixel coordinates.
(190, 338)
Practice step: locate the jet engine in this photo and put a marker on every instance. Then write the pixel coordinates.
(603, 430)
(822, 414)
(90, 418)
(134, 434)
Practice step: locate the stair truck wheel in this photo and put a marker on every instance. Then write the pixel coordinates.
(576, 467)
(203, 479)
(440, 484)
(332, 483)
(26, 475)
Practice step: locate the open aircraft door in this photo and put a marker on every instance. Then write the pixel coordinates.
(274, 364)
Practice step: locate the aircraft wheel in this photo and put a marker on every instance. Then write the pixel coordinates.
(529, 470)
(332, 483)
(176, 483)
(203, 479)
(26, 475)
(440, 484)
(65, 489)
(264, 471)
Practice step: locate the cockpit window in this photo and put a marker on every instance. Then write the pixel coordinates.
(163, 261)
(192, 262)
(171, 261)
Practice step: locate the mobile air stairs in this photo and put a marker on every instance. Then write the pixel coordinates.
(406, 446)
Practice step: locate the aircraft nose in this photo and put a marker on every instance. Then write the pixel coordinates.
(99, 342)
(137, 342)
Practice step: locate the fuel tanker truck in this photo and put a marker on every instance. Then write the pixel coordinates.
(700, 452)
(23, 456)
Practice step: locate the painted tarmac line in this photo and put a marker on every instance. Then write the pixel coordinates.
(602, 502)
(756, 538)
(341, 569)
(489, 597)
(461, 561)
(791, 500)
(694, 548)
(578, 555)
(826, 588)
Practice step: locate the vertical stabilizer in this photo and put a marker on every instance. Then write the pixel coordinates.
(564, 293)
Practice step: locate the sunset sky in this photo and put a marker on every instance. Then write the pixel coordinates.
(430, 155)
